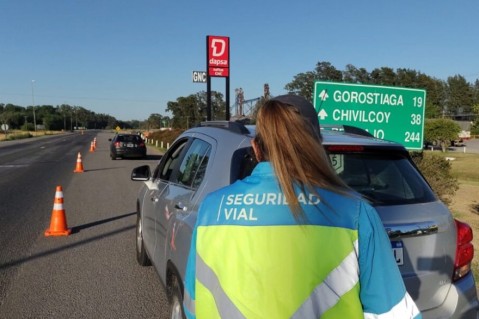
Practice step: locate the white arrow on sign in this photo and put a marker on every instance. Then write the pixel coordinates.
(323, 95)
(322, 114)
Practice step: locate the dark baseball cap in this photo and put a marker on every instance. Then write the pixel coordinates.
(305, 108)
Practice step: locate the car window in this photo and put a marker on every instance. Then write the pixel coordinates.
(128, 138)
(170, 161)
(193, 167)
(133, 138)
(242, 163)
(385, 179)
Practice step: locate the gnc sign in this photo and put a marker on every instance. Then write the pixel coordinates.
(218, 56)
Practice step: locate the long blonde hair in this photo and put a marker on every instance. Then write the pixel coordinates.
(287, 140)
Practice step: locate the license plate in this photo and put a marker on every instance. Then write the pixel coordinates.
(398, 251)
(130, 145)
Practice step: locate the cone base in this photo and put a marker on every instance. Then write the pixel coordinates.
(66, 232)
(78, 171)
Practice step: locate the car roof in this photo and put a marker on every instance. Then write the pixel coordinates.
(228, 131)
(345, 138)
(222, 130)
(126, 134)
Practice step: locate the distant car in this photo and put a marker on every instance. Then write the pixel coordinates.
(127, 146)
(433, 250)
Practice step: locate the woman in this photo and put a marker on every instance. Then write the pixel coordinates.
(291, 240)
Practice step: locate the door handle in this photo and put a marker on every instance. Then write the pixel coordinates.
(181, 206)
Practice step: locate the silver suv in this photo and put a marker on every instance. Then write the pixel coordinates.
(433, 250)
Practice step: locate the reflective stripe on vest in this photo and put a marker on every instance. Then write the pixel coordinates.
(189, 303)
(406, 308)
(208, 278)
(327, 294)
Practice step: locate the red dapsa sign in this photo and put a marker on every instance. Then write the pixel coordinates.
(218, 55)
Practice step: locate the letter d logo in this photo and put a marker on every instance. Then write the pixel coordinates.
(218, 46)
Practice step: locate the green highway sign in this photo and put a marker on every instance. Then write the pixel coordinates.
(389, 113)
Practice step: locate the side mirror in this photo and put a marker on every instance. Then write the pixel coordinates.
(141, 173)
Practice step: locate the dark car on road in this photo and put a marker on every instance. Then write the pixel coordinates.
(433, 250)
(127, 146)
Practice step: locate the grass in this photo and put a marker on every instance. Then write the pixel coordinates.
(464, 166)
(18, 134)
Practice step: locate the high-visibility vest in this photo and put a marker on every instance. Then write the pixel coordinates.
(250, 258)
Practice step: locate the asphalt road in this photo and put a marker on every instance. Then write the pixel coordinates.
(470, 146)
(93, 272)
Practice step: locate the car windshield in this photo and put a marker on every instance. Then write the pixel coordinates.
(129, 138)
(384, 179)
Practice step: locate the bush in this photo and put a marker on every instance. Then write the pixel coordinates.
(437, 171)
(19, 136)
(166, 136)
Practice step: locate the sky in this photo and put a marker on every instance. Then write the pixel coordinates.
(128, 59)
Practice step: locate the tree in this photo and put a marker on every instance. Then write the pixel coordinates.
(407, 78)
(459, 95)
(303, 83)
(53, 121)
(325, 71)
(475, 93)
(183, 110)
(437, 171)
(190, 110)
(355, 75)
(154, 121)
(384, 76)
(475, 123)
(55, 118)
(218, 105)
(64, 110)
(12, 115)
(442, 131)
(435, 95)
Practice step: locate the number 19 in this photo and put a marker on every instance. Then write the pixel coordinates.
(417, 101)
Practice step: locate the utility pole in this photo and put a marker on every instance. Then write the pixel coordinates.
(33, 102)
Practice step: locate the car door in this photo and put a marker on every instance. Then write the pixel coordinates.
(152, 203)
(177, 196)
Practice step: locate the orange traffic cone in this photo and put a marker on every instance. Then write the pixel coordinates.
(58, 222)
(79, 167)
(94, 142)
(92, 147)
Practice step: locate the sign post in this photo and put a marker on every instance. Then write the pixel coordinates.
(390, 113)
(5, 129)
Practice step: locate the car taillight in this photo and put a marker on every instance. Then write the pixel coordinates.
(464, 250)
(117, 144)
